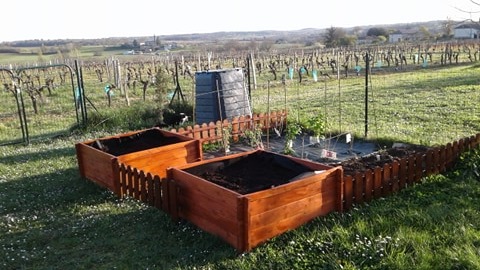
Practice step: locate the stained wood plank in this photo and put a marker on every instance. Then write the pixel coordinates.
(291, 196)
(116, 177)
(128, 181)
(403, 173)
(435, 160)
(455, 151)
(191, 185)
(412, 162)
(368, 185)
(150, 190)
(449, 156)
(301, 206)
(225, 229)
(461, 147)
(95, 165)
(261, 234)
(158, 186)
(325, 181)
(386, 180)
(136, 184)
(358, 187)
(143, 187)
(348, 187)
(419, 169)
(394, 176)
(377, 182)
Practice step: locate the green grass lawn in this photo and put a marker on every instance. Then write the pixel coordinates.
(51, 218)
(426, 106)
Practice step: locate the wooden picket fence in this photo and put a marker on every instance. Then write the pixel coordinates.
(212, 132)
(392, 177)
(150, 189)
(135, 183)
(358, 188)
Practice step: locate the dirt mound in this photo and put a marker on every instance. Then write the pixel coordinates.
(255, 172)
(379, 158)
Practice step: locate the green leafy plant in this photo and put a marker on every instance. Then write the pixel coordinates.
(293, 129)
(253, 136)
(315, 125)
(468, 166)
(211, 147)
(226, 137)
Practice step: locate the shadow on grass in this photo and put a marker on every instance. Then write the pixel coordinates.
(61, 221)
(40, 155)
(433, 225)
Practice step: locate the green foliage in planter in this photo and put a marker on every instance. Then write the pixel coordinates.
(253, 136)
(315, 126)
(293, 129)
(226, 137)
(211, 147)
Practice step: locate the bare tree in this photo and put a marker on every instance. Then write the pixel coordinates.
(333, 36)
(470, 12)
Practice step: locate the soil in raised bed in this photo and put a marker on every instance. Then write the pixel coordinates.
(379, 158)
(255, 172)
(140, 141)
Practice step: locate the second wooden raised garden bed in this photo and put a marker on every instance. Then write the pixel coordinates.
(250, 197)
(151, 150)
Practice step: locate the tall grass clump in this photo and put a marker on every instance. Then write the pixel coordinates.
(135, 117)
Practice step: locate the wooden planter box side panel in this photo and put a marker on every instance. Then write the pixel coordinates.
(244, 221)
(98, 166)
(95, 165)
(212, 208)
(267, 200)
(217, 159)
(299, 203)
(156, 161)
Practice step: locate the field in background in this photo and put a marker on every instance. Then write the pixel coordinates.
(425, 106)
(51, 218)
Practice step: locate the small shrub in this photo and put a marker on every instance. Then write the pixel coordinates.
(253, 137)
(468, 165)
(315, 125)
(136, 117)
(171, 114)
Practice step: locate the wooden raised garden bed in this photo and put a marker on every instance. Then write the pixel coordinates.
(150, 150)
(250, 197)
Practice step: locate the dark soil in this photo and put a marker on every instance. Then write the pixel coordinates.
(140, 141)
(254, 172)
(378, 159)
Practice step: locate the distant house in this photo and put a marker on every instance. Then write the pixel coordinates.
(470, 30)
(401, 36)
(395, 37)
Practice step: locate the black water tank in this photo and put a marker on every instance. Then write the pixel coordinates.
(220, 94)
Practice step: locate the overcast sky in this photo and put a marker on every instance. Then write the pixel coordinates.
(63, 19)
